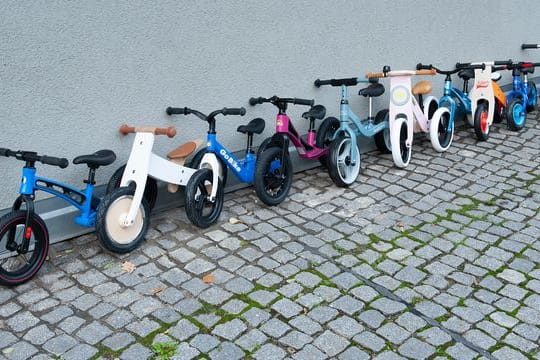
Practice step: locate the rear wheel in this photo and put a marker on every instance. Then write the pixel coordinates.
(532, 97)
(273, 177)
(515, 115)
(111, 231)
(401, 153)
(481, 122)
(441, 130)
(22, 265)
(200, 210)
(340, 167)
(325, 134)
(150, 190)
(382, 138)
(500, 112)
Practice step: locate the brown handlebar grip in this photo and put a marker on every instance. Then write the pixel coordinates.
(126, 129)
(426, 72)
(170, 131)
(375, 75)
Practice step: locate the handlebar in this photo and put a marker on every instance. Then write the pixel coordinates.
(530, 46)
(336, 82)
(277, 100)
(169, 131)
(388, 72)
(32, 157)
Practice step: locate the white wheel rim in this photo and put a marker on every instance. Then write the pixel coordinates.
(116, 213)
(347, 173)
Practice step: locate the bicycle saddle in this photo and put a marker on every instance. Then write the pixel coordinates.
(372, 90)
(316, 112)
(466, 74)
(184, 150)
(97, 159)
(255, 126)
(422, 88)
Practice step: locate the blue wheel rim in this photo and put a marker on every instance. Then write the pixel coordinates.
(518, 114)
(534, 97)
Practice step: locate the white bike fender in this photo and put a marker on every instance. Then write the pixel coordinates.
(210, 161)
(427, 102)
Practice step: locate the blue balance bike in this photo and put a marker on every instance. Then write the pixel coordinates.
(24, 238)
(523, 97)
(200, 208)
(344, 155)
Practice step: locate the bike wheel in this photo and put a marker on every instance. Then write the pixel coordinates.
(196, 162)
(199, 209)
(266, 142)
(515, 115)
(21, 267)
(110, 231)
(382, 138)
(325, 133)
(340, 168)
(500, 113)
(273, 178)
(150, 189)
(481, 122)
(532, 97)
(441, 130)
(401, 153)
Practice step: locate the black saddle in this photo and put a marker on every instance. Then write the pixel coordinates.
(316, 112)
(97, 159)
(255, 126)
(466, 74)
(372, 90)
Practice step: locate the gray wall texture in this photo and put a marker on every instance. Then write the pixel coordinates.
(72, 71)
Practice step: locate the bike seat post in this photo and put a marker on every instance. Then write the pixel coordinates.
(466, 86)
(91, 176)
(370, 118)
(249, 148)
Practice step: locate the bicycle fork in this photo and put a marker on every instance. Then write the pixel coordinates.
(25, 244)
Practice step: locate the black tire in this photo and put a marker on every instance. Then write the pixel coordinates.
(340, 169)
(20, 268)
(500, 113)
(325, 133)
(199, 209)
(382, 138)
(196, 161)
(481, 123)
(515, 115)
(532, 95)
(110, 233)
(273, 179)
(150, 190)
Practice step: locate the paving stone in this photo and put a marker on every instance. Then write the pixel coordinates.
(393, 333)
(60, 344)
(331, 343)
(118, 341)
(309, 352)
(387, 306)
(435, 336)
(275, 328)
(183, 330)
(414, 348)
(22, 321)
(305, 324)
(136, 352)
(251, 340)
(227, 351)
(20, 351)
(370, 341)
(204, 342)
(230, 330)
(38, 335)
(353, 353)
(270, 352)
(287, 308)
(80, 352)
(93, 333)
(345, 326)
(255, 316)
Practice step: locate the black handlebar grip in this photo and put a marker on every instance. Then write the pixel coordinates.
(320, 82)
(460, 65)
(4, 152)
(303, 102)
(177, 111)
(254, 101)
(503, 62)
(530, 46)
(234, 111)
(421, 66)
(50, 160)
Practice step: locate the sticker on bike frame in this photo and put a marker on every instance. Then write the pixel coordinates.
(400, 95)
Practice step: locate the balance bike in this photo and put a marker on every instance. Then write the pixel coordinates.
(344, 155)
(523, 97)
(124, 216)
(24, 237)
(409, 115)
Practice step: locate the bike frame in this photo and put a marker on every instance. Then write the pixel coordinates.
(348, 119)
(286, 127)
(243, 169)
(520, 88)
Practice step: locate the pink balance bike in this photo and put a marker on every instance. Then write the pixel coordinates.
(313, 145)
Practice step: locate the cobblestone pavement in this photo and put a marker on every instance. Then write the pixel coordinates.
(440, 260)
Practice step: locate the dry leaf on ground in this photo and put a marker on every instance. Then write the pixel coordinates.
(128, 267)
(208, 279)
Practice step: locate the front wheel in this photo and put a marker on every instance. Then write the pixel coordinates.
(111, 231)
(401, 153)
(150, 189)
(481, 122)
(325, 134)
(196, 162)
(441, 130)
(200, 209)
(382, 138)
(273, 176)
(341, 169)
(532, 97)
(515, 115)
(22, 265)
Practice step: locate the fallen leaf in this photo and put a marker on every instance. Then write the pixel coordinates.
(208, 279)
(235, 221)
(8, 350)
(157, 290)
(108, 265)
(400, 226)
(128, 267)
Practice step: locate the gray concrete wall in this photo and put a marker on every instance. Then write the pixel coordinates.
(72, 71)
